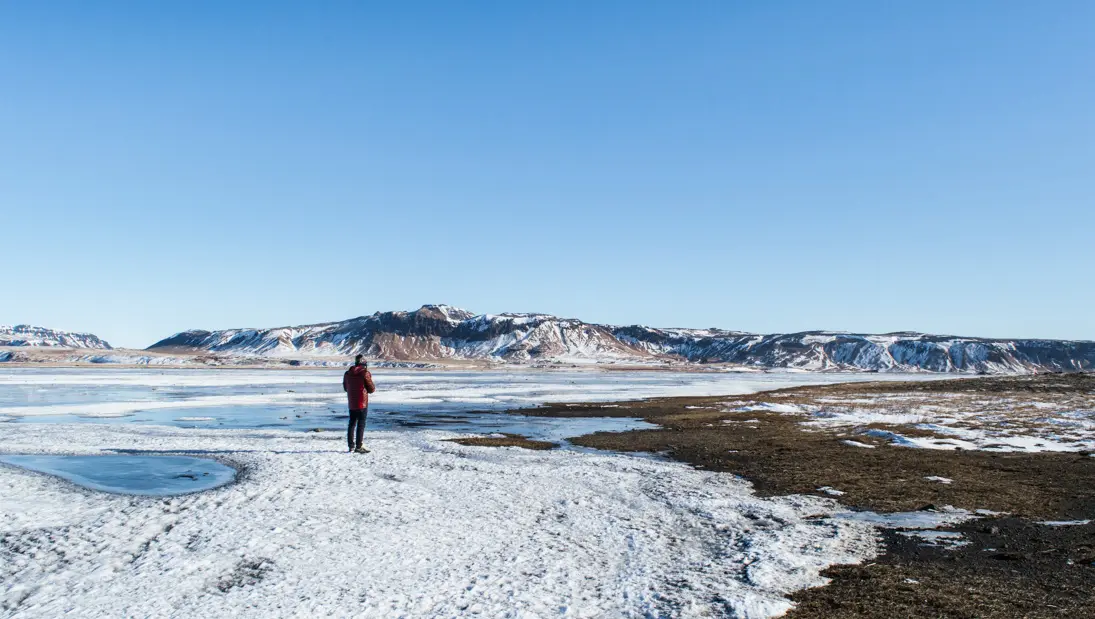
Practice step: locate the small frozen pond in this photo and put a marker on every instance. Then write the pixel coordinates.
(146, 475)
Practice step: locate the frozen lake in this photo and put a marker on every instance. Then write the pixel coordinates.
(310, 399)
(419, 527)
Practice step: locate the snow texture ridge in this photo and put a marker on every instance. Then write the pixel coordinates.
(27, 335)
(439, 332)
(419, 527)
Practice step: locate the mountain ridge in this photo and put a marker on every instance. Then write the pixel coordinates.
(42, 337)
(442, 332)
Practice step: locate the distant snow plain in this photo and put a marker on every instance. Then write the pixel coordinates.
(420, 527)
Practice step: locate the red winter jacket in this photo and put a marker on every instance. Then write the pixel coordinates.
(357, 382)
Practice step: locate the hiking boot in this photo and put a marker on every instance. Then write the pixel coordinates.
(361, 450)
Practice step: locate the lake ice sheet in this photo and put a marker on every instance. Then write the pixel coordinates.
(305, 400)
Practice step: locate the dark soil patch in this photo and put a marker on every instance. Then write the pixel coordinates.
(1070, 383)
(507, 440)
(781, 457)
(1011, 568)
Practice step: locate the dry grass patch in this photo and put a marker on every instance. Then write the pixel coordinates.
(506, 440)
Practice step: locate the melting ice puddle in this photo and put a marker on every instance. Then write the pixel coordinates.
(919, 524)
(945, 517)
(941, 539)
(145, 475)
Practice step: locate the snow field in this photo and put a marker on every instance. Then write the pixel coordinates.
(419, 527)
(957, 420)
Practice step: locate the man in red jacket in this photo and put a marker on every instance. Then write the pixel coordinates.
(357, 382)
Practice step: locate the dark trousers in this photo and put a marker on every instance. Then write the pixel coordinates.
(357, 419)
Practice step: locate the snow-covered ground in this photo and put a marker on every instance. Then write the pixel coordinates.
(993, 422)
(419, 527)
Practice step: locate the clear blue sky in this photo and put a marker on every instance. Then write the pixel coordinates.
(754, 165)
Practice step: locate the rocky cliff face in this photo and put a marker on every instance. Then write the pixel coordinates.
(27, 335)
(439, 332)
(431, 332)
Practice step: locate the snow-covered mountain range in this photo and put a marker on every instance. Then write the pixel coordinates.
(440, 332)
(27, 335)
